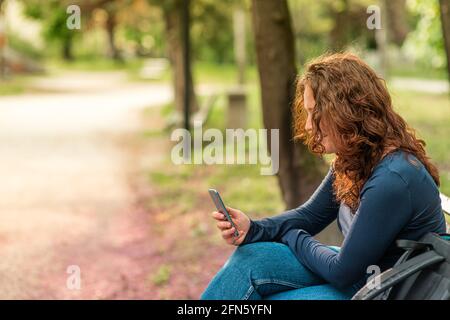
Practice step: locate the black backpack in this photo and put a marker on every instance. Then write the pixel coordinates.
(421, 273)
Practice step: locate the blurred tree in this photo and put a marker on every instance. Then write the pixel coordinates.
(397, 20)
(349, 22)
(142, 27)
(381, 40)
(445, 21)
(53, 16)
(212, 30)
(300, 172)
(343, 22)
(2, 43)
(311, 22)
(111, 7)
(173, 18)
(425, 43)
(239, 30)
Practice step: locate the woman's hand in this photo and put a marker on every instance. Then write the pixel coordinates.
(240, 220)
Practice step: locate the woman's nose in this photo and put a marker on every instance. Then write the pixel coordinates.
(308, 127)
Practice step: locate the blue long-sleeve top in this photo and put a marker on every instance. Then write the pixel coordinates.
(400, 200)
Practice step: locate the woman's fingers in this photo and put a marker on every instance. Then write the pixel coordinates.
(218, 216)
(223, 225)
(228, 233)
(226, 227)
(236, 241)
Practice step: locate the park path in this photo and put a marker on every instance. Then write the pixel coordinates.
(421, 85)
(65, 194)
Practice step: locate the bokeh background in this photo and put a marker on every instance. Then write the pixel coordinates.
(86, 116)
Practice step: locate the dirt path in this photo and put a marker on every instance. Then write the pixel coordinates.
(65, 196)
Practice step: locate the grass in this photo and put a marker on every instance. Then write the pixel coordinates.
(95, 64)
(14, 86)
(162, 275)
(418, 72)
(227, 73)
(203, 72)
(206, 72)
(241, 186)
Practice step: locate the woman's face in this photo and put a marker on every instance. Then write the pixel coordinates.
(309, 104)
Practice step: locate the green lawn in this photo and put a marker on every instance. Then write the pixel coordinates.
(13, 86)
(418, 72)
(94, 64)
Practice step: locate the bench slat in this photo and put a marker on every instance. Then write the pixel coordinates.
(445, 202)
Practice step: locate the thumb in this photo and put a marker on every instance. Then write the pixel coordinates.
(232, 212)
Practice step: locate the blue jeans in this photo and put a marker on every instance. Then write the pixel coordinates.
(270, 271)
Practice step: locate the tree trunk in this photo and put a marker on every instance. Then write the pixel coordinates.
(397, 20)
(67, 49)
(382, 42)
(300, 172)
(340, 33)
(445, 18)
(110, 29)
(239, 42)
(2, 43)
(173, 15)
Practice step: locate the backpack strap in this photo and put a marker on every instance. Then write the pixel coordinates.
(413, 245)
(396, 274)
(410, 247)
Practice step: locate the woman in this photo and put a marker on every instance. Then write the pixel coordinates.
(381, 187)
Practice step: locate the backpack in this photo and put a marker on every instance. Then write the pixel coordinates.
(421, 273)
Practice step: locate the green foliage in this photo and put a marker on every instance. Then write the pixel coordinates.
(425, 43)
(24, 47)
(310, 22)
(211, 27)
(212, 30)
(53, 16)
(55, 25)
(162, 275)
(141, 28)
(316, 26)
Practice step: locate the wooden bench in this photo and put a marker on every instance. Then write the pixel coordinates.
(445, 201)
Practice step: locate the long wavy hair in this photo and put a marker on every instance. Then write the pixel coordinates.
(355, 107)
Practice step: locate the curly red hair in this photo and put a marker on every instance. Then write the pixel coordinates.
(356, 108)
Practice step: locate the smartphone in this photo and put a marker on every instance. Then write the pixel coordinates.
(215, 196)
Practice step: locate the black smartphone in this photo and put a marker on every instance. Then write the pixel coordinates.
(215, 196)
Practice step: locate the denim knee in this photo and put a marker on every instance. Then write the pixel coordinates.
(247, 255)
